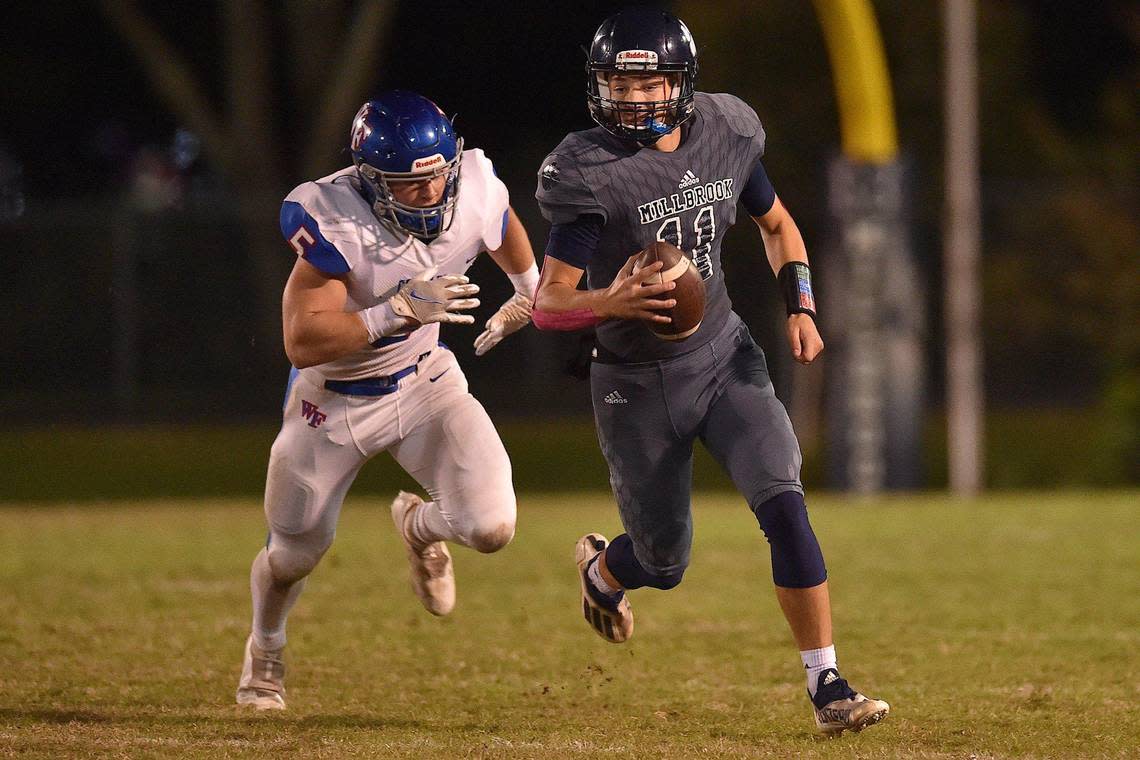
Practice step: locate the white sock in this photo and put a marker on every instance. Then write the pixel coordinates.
(815, 662)
(271, 604)
(595, 576)
(429, 525)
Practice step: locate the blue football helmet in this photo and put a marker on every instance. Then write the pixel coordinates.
(404, 137)
(636, 41)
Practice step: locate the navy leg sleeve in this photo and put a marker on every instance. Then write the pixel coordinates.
(797, 561)
(623, 565)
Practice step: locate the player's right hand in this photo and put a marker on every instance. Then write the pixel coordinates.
(628, 297)
(426, 300)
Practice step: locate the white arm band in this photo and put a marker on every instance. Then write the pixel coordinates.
(526, 283)
(380, 320)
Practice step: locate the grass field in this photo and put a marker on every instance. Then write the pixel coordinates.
(1008, 627)
(1026, 449)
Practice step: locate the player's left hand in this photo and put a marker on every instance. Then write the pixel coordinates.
(803, 336)
(511, 317)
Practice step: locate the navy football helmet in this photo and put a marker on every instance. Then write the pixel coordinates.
(404, 137)
(642, 40)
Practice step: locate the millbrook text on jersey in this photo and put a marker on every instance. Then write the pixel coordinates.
(692, 197)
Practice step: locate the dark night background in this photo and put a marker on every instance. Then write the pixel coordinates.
(83, 130)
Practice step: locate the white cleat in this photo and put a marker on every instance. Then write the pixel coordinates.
(840, 708)
(432, 574)
(262, 684)
(612, 621)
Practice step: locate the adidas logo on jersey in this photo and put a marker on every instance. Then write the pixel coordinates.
(688, 179)
(613, 397)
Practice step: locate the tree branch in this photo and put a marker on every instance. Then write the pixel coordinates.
(349, 80)
(171, 77)
(249, 86)
(314, 27)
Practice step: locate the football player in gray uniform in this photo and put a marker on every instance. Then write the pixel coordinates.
(669, 163)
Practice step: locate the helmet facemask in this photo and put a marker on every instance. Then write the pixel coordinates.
(423, 222)
(644, 41)
(642, 121)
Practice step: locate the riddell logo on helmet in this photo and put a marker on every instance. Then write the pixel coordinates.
(636, 59)
(427, 163)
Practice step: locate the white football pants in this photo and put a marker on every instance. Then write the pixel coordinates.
(433, 427)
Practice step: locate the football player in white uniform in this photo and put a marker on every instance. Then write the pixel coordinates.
(382, 249)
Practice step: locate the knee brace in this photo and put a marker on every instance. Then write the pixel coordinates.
(797, 561)
(630, 573)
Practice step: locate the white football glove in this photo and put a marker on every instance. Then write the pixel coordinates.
(424, 300)
(511, 317)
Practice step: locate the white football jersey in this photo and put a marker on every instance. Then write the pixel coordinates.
(330, 224)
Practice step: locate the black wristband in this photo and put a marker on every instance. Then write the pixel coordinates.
(794, 280)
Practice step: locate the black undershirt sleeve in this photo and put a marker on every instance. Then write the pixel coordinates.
(575, 242)
(759, 195)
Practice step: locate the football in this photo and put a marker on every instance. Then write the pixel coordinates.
(689, 293)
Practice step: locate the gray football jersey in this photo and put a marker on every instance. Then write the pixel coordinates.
(687, 197)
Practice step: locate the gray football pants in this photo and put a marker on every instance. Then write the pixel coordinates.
(648, 414)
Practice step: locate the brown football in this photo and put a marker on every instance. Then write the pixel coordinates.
(689, 293)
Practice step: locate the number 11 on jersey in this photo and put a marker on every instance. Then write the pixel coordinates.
(705, 228)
